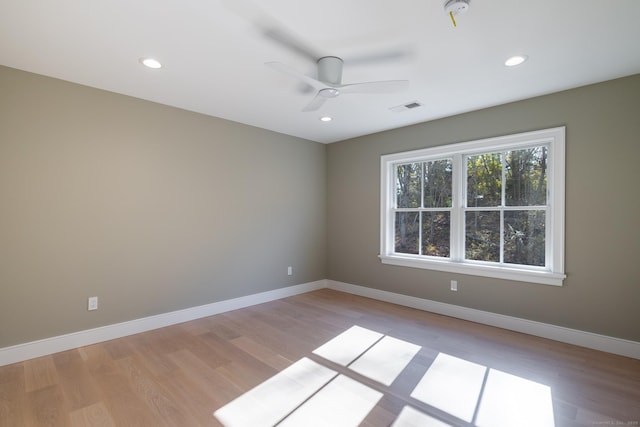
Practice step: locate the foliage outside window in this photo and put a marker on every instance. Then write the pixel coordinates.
(492, 207)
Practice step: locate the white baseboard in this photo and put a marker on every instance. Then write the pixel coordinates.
(30, 350)
(558, 333)
(26, 351)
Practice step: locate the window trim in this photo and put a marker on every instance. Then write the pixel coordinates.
(552, 274)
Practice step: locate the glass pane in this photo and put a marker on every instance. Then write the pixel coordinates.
(524, 236)
(526, 177)
(437, 184)
(484, 180)
(407, 232)
(436, 228)
(408, 182)
(482, 240)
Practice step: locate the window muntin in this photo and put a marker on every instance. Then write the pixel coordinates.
(492, 207)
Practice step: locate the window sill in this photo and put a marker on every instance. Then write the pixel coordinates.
(506, 273)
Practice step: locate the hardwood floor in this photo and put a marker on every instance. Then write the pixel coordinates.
(180, 375)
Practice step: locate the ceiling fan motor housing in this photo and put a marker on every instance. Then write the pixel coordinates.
(330, 70)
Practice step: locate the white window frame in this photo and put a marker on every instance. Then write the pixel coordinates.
(553, 271)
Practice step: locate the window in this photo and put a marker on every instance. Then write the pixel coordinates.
(492, 207)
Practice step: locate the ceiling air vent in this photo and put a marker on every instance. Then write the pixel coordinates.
(405, 107)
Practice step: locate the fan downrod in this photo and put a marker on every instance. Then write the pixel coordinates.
(330, 70)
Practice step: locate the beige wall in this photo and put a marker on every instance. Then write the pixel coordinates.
(602, 291)
(155, 209)
(150, 208)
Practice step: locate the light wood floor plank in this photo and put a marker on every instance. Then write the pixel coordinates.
(95, 415)
(40, 373)
(127, 409)
(47, 407)
(12, 395)
(75, 380)
(262, 353)
(196, 397)
(150, 390)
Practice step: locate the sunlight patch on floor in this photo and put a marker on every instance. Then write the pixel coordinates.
(411, 417)
(484, 397)
(452, 385)
(509, 400)
(271, 401)
(349, 345)
(344, 402)
(385, 360)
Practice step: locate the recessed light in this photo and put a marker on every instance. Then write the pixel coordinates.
(515, 60)
(326, 119)
(150, 62)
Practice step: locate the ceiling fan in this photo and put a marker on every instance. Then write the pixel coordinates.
(329, 82)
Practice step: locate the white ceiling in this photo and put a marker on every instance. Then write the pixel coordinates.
(214, 52)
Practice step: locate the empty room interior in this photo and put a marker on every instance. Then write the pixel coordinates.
(243, 213)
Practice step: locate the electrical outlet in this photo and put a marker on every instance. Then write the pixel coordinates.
(92, 303)
(454, 285)
(289, 271)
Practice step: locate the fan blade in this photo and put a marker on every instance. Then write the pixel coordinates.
(279, 66)
(271, 28)
(392, 54)
(315, 103)
(386, 86)
(289, 41)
